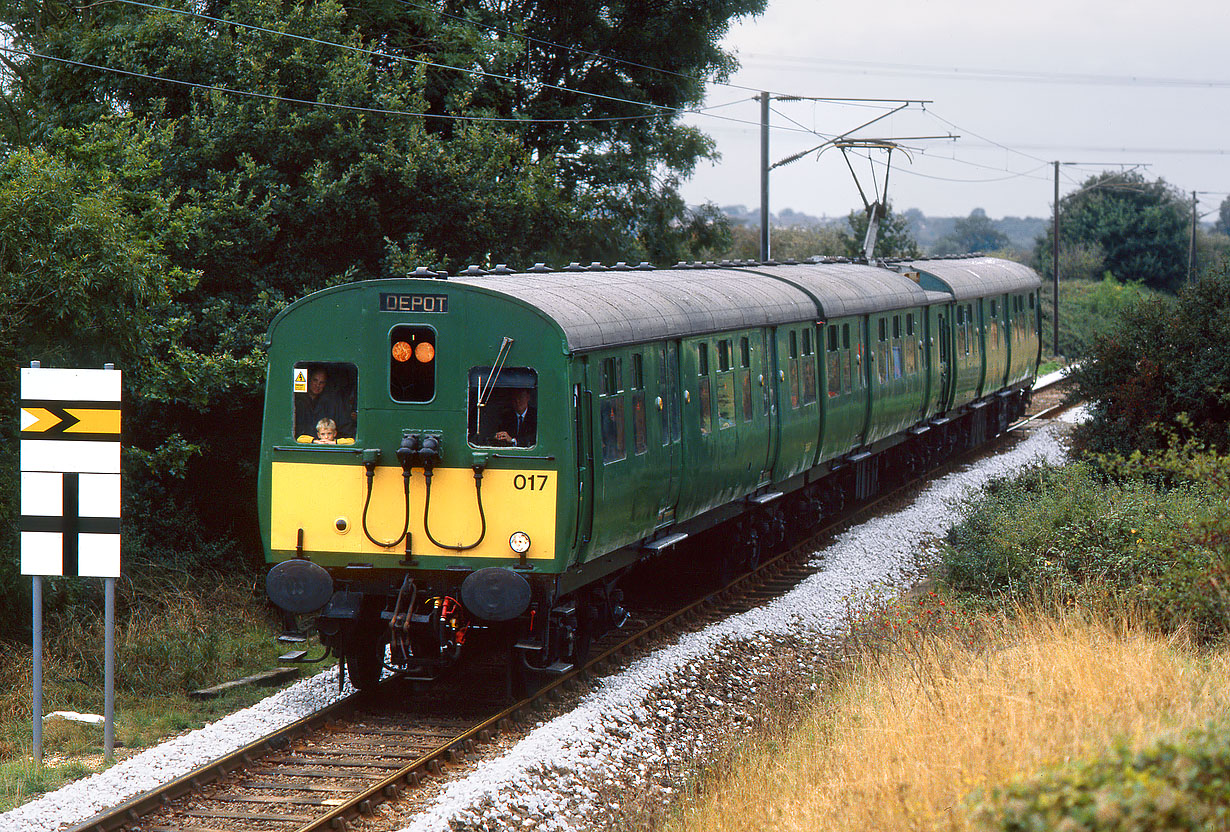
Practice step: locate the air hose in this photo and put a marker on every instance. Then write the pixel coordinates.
(405, 476)
(478, 492)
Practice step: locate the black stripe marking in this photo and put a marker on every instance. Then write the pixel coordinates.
(53, 404)
(72, 522)
(84, 525)
(56, 436)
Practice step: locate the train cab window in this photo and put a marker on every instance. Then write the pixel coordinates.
(325, 397)
(502, 407)
(412, 364)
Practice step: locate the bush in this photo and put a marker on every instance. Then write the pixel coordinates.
(1181, 783)
(1071, 534)
(1161, 360)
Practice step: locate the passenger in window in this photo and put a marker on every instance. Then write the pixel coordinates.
(322, 402)
(326, 432)
(519, 425)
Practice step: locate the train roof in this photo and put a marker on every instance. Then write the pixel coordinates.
(843, 289)
(596, 309)
(974, 277)
(606, 309)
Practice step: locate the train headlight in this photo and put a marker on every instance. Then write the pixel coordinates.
(519, 542)
(402, 352)
(424, 352)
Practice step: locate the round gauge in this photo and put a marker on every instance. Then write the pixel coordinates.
(402, 351)
(424, 352)
(519, 542)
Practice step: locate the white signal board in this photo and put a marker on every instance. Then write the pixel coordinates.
(70, 472)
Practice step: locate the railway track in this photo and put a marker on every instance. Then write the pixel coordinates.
(326, 769)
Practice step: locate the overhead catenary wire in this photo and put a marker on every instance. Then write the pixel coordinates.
(985, 74)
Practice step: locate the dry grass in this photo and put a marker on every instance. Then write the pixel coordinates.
(906, 736)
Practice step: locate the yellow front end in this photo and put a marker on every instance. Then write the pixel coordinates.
(324, 503)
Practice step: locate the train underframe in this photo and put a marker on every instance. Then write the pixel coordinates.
(416, 623)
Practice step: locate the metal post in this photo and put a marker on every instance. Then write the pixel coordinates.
(1191, 249)
(1055, 258)
(109, 661)
(37, 604)
(764, 176)
(109, 672)
(38, 669)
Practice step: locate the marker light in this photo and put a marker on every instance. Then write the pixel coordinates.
(519, 542)
(402, 351)
(424, 352)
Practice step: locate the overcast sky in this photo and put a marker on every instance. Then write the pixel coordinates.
(1161, 84)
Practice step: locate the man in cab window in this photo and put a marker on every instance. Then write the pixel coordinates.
(519, 425)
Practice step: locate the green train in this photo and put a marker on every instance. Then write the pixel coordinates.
(447, 460)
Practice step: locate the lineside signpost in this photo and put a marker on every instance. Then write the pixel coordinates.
(70, 501)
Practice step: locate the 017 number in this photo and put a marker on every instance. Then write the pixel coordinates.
(534, 482)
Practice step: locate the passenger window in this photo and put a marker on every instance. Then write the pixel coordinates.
(503, 407)
(809, 379)
(638, 371)
(726, 400)
(325, 397)
(704, 392)
(745, 353)
(745, 381)
(832, 365)
(723, 355)
(611, 411)
(612, 376)
(412, 364)
(638, 422)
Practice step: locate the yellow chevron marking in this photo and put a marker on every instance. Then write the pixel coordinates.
(94, 421)
(44, 420)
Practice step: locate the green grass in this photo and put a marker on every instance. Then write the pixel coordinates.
(166, 646)
(1087, 308)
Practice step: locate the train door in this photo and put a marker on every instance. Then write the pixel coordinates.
(667, 407)
(583, 407)
(765, 368)
(944, 360)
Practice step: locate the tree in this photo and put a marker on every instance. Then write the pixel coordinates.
(894, 238)
(83, 281)
(1141, 227)
(314, 143)
(974, 233)
(1223, 217)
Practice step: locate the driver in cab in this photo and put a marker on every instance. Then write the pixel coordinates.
(519, 424)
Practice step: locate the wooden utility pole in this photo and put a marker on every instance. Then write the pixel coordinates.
(764, 176)
(1191, 249)
(1055, 258)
